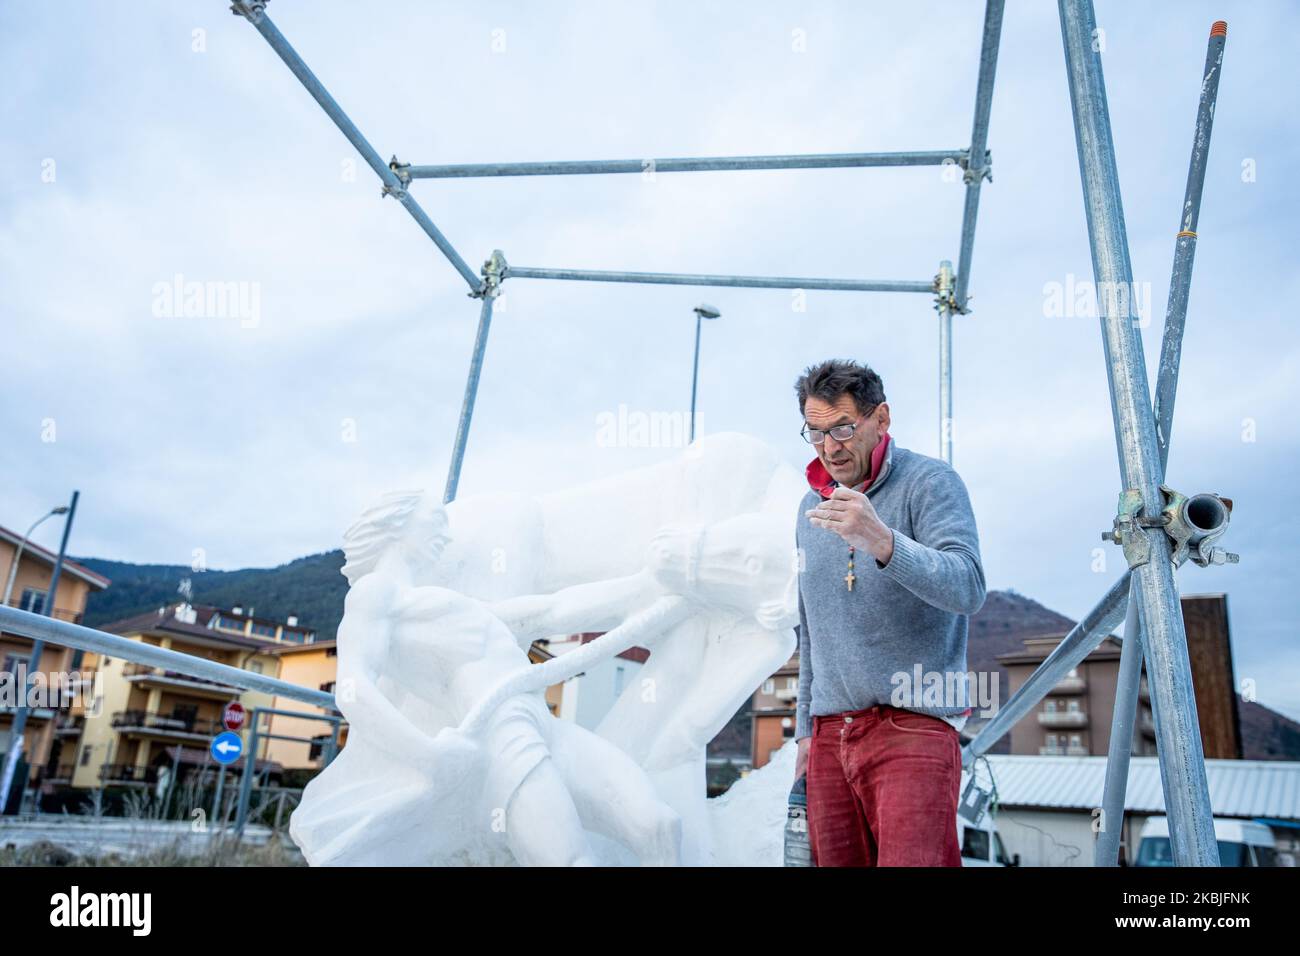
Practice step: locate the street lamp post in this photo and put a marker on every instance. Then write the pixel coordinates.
(22, 545)
(702, 311)
(38, 649)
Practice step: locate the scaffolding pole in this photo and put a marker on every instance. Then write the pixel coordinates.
(1146, 546)
(594, 167)
(1106, 851)
(1084, 638)
(492, 271)
(744, 282)
(255, 13)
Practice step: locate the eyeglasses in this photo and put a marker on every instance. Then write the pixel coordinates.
(816, 436)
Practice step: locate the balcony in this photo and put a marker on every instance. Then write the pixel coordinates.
(160, 725)
(147, 675)
(69, 727)
(787, 693)
(60, 774)
(1073, 750)
(1070, 686)
(128, 774)
(1072, 719)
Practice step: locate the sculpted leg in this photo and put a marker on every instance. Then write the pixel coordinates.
(542, 823)
(614, 797)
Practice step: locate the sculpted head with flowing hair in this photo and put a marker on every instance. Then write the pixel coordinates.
(413, 521)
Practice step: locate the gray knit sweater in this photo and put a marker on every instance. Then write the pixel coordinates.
(902, 620)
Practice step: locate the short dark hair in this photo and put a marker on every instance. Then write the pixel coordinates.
(835, 377)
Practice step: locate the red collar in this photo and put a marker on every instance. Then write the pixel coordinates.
(824, 484)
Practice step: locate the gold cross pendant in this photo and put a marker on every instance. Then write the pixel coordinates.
(849, 579)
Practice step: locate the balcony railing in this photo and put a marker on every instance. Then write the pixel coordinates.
(1070, 685)
(1073, 750)
(127, 773)
(69, 726)
(60, 774)
(1062, 718)
(148, 672)
(143, 720)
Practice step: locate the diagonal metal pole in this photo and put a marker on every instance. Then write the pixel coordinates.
(1084, 638)
(493, 270)
(1106, 851)
(1147, 547)
(977, 167)
(254, 11)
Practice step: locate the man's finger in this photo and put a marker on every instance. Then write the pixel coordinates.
(841, 493)
(823, 514)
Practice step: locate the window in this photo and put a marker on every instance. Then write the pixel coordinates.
(292, 637)
(264, 630)
(1049, 706)
(1076, 740)
(769, 686)
(792, 683)
(85, 754)
(33, 600)
(255, 666)
(975, 844)
(1051, 740)
(328, 687)
(332, 651)
(1072, 706)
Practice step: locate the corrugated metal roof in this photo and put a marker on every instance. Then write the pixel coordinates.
(1238, 788)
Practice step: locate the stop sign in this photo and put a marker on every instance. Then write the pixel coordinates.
(233, 716)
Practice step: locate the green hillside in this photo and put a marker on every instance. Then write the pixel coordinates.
(309, 587)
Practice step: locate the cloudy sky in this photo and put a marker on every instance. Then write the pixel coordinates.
(169, 140)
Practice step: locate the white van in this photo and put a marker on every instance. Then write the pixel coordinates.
(1241, 843)
(981, 845)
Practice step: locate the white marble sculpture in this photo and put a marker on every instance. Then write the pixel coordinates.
(452, 756)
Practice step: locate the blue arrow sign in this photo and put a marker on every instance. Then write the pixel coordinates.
(226, 747)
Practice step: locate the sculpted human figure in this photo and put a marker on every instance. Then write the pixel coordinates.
(542, 779)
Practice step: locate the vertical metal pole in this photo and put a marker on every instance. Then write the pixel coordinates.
(492, 272)
(945, 305)
(695, 370)
(1182, 762)
(216, 800)
(19, 727)
(1120, 748)
(246, 778)
(1130, 661)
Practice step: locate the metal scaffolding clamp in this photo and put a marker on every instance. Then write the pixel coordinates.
(250, 10)
(1193, 525)
(1128, 530)
(944, 285)
(402, 172)
(975, 174)
(494, 273)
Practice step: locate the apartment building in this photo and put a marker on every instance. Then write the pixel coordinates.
(49, 740)
(150, 717)
(773, 711)
(1074, 719)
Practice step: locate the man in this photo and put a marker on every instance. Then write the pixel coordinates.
(891, 570)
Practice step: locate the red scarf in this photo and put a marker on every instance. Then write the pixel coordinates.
(824, 484)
